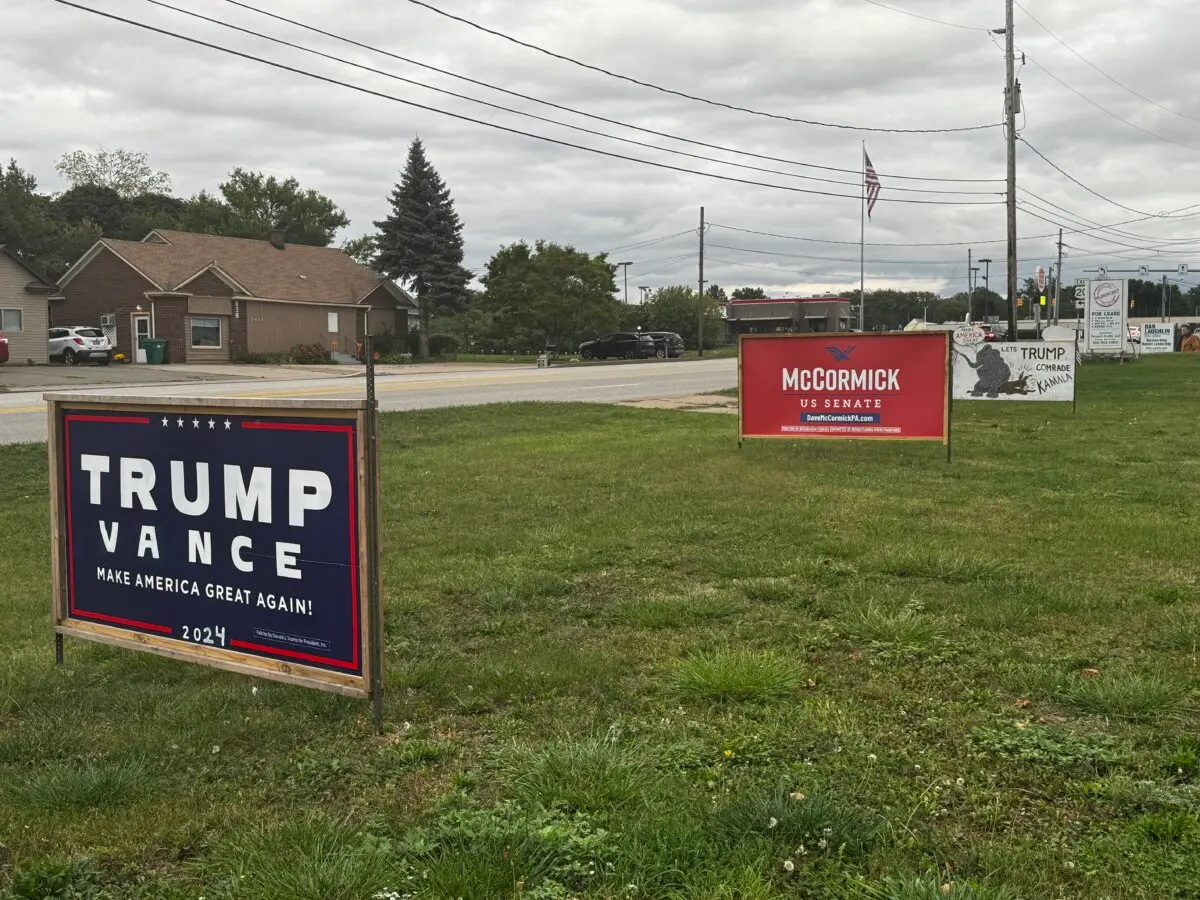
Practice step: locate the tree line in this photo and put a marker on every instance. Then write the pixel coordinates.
(529, 295)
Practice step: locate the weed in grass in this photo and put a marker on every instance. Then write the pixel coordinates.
(84, 785)
(504, 851)
(313, 859)
(411, 755)
(1183, 764)
(1181, 636)
(737, 675)
(768, 590)
(674, 612)
(598, 774)
(1047, 745)
(905, 629)
(1125, 695)
(747, 884)
(1167, 827)
(948, 569)
(932, 886)
(818, 822)
(826, 571)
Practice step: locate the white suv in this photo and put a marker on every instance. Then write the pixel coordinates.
(79, 343)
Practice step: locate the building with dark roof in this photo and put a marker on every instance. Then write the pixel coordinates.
(787, 315)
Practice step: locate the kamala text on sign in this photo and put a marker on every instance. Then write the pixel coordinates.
(229, 534)
(842, 385)
(1030, 370)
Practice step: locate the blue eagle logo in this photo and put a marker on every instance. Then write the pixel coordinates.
(840, 354)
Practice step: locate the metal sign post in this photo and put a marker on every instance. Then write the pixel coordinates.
(374, 602)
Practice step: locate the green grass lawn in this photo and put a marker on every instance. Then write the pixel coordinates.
(625, 659)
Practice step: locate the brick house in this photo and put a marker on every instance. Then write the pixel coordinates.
(24, 310)
(221, 299)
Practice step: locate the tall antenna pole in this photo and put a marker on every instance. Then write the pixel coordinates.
(1058, 279)
(970, 290)
(862, 244)
(700, 299)
(1010, 109)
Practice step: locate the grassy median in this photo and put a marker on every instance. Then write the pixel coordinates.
(626, 659)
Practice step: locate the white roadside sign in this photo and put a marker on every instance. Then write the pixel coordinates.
(1030, 370)
(1158, 337)
(1107, 312)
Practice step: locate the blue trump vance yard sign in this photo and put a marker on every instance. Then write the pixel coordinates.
(225, 532)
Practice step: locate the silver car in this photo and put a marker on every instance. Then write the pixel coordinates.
(74, 344)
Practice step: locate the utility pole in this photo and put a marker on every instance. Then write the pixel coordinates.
(970, 289)
(1164, 299)
(1058, 280)
(1011, 100)
(987, 296)
(700, 299)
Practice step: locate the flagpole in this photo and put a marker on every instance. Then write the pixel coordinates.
(862, 242)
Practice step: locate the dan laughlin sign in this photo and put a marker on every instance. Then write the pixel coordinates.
(842, 385)
(231, 535)
(1033, 370)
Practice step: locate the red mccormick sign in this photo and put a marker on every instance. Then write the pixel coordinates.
(222, 532)
(874, 386)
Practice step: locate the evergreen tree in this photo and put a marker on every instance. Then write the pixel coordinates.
(421, 244)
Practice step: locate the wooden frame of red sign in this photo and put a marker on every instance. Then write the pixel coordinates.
(948, 386)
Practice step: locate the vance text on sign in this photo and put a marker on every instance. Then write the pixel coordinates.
(231, 535)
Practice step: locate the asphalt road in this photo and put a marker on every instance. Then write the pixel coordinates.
(23, 415)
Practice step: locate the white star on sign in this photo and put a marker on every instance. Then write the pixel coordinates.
(166, 421)
(211, 424)
(180, 423)
(195, 423)
(227, 424)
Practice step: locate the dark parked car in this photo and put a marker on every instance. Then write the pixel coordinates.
(620, 345)
(666, 343)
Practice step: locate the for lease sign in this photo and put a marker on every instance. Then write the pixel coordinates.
(1107, 309)
(229, 536)
(875, 386)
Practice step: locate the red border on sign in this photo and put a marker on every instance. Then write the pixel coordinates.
(83, 613)
(945, 370)
(74, 611)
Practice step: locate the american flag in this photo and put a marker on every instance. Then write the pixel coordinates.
(871, 180)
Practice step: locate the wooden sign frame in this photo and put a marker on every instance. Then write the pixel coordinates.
(360, 413)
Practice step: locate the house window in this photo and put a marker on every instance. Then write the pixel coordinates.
(10, 320)
(332, 323)
(206, 332)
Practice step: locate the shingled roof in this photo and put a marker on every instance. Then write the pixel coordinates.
(296, 272)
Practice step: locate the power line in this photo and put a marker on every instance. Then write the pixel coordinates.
(647, 243)
(693, 97)
(529, 115)
(1106, 110)
(829, 276)
(579, 112)
(792, 237)
(1076, 53)
(1079, 183)
(878, 262)
(498, 127)
(906, 12)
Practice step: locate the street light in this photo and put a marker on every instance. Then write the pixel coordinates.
(626, 266)
(645, 289)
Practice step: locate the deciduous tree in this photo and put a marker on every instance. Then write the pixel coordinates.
(124, 171)
(552, 294)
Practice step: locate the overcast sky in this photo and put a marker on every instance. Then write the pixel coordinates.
(69, 79)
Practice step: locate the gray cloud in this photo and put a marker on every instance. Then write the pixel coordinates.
(70, 80)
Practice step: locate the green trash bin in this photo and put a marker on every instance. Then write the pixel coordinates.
(156, 351)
